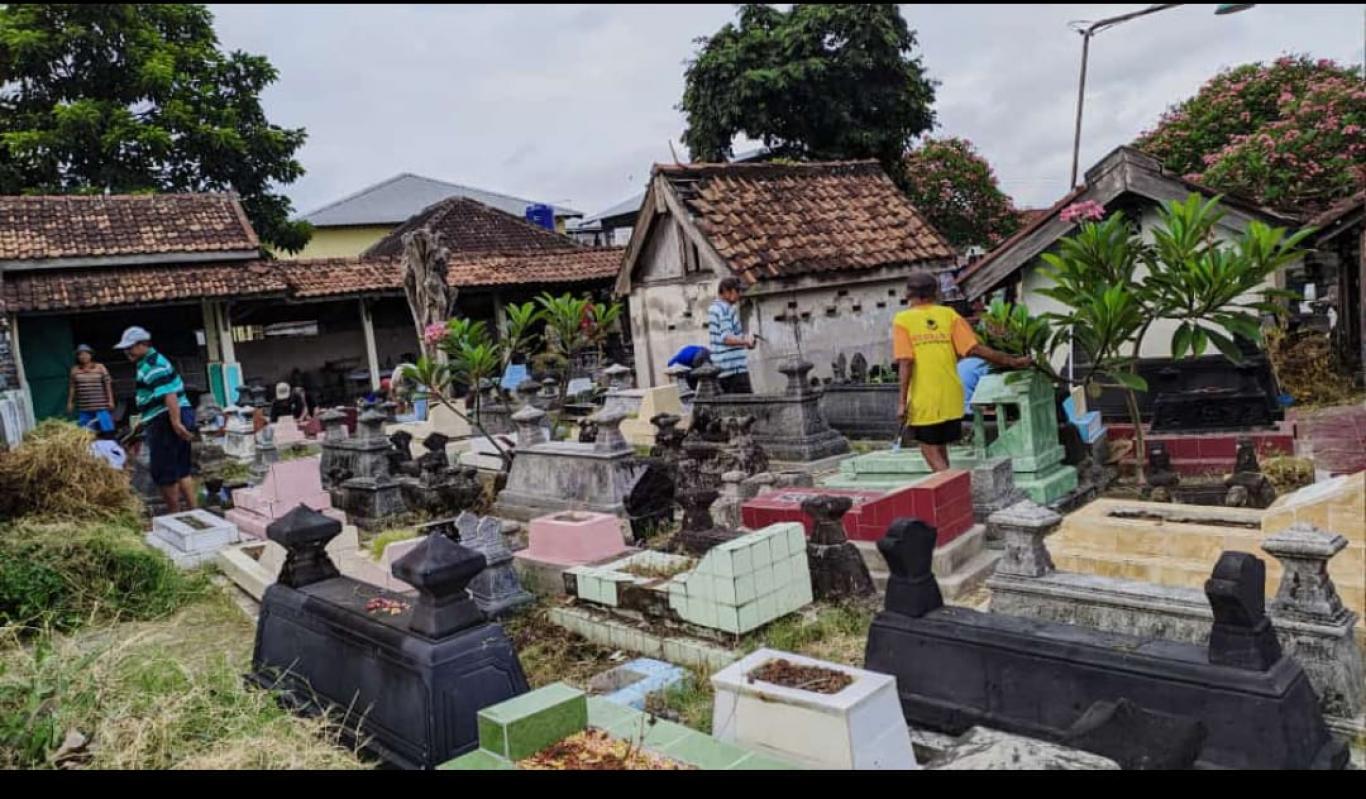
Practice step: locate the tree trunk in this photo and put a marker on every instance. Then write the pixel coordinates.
(429, 296)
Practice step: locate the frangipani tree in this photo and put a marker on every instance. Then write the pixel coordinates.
(1214, 290)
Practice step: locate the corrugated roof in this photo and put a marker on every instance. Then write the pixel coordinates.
(38, 228)
(467, 226)
(393, 201)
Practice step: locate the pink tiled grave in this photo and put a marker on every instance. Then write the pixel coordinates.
(943, 501)
(287, 484)
(573, 538)
(287, 431)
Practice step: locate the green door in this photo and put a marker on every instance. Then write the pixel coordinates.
(45, 344)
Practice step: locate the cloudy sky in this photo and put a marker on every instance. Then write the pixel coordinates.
(570, 104)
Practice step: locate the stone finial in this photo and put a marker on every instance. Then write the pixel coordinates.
(1242, 636)
(609, 438)
(908, 548)
(1307, 592)
(1160, 473)
(618, 377)
(304, 534)
(796, 370)
(440, 570)
(549, 389)
(530, 422)
(1023, 527)
(827, 511)
(334, 425)
(402, 441)
(526, 391)
(708, 381)
(678, 372)
(858, 369)
(371, 424)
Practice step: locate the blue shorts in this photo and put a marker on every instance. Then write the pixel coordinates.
(168, 454)
(103, 417)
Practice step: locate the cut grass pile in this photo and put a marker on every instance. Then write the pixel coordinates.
(164, 694)
(53, 474)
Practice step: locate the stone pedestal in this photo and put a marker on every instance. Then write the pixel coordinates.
(408, 683)
(239, 439)
(837, 568)
(789, 426)
(496, 589)
(1022, 528)
(191, 538)
(556, 476)
(371, 497)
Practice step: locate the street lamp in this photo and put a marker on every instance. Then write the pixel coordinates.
(1096, 27)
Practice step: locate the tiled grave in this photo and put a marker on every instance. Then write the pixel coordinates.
(633, 682)
(1210, 452)
(858, 727)
(254, 564)
(637, 429)
(559, 541)
(286, 485)
(941, 500)
(521, 727)
(192, 537)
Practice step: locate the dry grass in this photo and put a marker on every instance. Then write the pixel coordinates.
(53, 474)
(1305, 366)
(1287, 473)
(550, 653)
(167, 694)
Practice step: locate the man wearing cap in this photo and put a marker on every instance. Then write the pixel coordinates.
(927, 341)
(165, 416)
(728, 342)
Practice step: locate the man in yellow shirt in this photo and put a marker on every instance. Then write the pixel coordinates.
(927, 341)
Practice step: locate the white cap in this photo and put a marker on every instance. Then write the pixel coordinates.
(132, 336)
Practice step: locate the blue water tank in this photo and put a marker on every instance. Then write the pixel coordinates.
(541, 214)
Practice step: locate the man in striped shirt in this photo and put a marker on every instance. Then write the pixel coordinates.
(728, 342)
(166, 418)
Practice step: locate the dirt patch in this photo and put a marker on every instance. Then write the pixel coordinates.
(595, 750)
(1176, 518)
(658, 572)
(817, 679)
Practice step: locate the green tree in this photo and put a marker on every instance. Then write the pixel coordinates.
(1291, 134)
(135, 98)
(818, 82)
(956, 191)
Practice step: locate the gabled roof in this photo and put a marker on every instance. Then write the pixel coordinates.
(468, 226)
(393, 201)
(778, 220)
(1338, 217)
(114, 287)
(94, 230)
(1124, 171)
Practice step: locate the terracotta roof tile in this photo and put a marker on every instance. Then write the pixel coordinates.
(78, 289)
(469, 226)
(787, 219)
(93, 226)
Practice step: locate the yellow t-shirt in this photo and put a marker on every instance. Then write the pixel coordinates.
(933, 338)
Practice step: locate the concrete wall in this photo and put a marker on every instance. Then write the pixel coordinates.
(340, 241)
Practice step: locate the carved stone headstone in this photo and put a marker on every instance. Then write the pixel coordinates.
(401, 456)
(840, 370)
(858, 369)
(1160, 473)
(837, 568)
(1247, 486)
(1242, 636)
(497, 589)
(908, 549)
(609, 438)
(696, 494)
(530, 422)
(618, 377)
(440, 569)
(304, 534)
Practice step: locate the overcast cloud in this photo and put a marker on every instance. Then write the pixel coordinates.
(571, 104)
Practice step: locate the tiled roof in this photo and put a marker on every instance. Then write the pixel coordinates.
(95, 226)
(1338, 210)
(81, 289)
(310, 278)
(392, 201)
(468, 226)
(787, 219)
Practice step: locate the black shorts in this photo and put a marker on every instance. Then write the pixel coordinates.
(933, 434)
(167, 453)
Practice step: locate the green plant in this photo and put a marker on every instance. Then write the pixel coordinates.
(955, 189)
(386, 538)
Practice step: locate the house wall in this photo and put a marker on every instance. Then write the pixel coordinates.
(336, 242)
(1157, 343)
(832, 316)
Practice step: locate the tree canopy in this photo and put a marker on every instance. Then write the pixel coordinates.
(131, 98)
(956, 191)
(1291, 134)
(818, 82)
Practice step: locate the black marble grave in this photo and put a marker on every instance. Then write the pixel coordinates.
(406, 685)
(957, 668)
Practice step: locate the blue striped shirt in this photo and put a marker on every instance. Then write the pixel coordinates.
(157, 378)
(723, 319)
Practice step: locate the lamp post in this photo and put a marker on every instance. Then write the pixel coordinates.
(1109, 22)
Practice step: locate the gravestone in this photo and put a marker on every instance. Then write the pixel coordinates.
(191, 538)
(371, 497)
(1136, 738)
(788, 426)
(695, 495)
(239, 439)
(1257, 705)
(408, 678)
(1247, 486)
(335, 458)
(266, 453)
(837, 568)
(496, 590)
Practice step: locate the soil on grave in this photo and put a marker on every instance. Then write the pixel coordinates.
(806, 678)
(595, 750)
(658, 572)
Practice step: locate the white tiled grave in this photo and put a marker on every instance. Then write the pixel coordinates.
(859, 727)
(192, 537)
